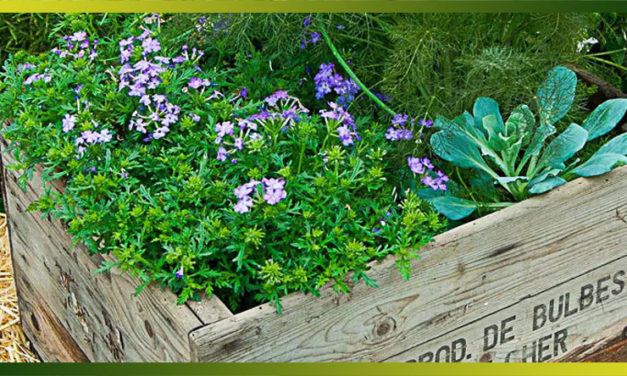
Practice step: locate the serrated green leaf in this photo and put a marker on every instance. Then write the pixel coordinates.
(605, 117)
(556, 95)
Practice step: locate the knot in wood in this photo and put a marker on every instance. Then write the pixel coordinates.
(384, 326)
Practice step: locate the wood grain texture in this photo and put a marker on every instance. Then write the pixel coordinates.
(70, 314)
(477, 271)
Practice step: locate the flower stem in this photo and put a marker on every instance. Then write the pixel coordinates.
(352, 74)
(300, 159)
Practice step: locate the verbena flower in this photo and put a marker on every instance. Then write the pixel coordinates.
(68, 122)
(328, 81)
(423, 166)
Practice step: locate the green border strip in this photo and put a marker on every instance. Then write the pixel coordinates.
(300, 6)
(317, 369)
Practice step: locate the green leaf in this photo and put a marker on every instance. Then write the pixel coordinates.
(521, 123)
(458, 148)
(537, 142)
(495, 142)
(453, 207)
(605, 117)
(556, 95)
(510, 179)
(546, 185)
(613, 152)
(486, 107)
(544, 175)
(563, 147)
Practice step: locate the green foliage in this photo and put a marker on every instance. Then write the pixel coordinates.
(482, 141)
(165, 205)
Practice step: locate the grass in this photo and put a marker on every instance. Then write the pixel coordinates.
(13, 344)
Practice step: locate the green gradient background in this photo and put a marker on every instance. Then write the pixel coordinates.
(312, 6)
(309, 369)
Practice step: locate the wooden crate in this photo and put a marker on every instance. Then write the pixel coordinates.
(544, 280)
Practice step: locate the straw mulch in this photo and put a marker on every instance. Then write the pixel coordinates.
(13, 344)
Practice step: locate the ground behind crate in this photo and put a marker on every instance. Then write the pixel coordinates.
(14, 346)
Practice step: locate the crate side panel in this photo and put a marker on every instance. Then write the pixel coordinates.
(469, 273)
(94, 317)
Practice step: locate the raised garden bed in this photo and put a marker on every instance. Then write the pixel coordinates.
(543, 280)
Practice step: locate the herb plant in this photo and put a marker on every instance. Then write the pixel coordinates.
(516, 155)
(194, 183)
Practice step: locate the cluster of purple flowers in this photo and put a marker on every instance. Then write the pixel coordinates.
(308, 37)
(423, 166)
(347, 130)
(142, 79)
(279, 106)
(273, 193)
(78, 46)
(400, 129)
(327, 81)
(37, 77)
(247, 131)
(25, 67)
(200, 85)
(87, 137)
(282, 107)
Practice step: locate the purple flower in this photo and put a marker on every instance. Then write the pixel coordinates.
(195, 83)
(441, 180)
(273, 191)
(238, 143)
(242, 191)
(400, 119)
(405, 134)
(315, 37)
(243, 205)
(415, 165)
(151, 45)
(274, 98)
(427, 163)
(345, 135)
(327, 81)
(243, 93)
(425, 123)
(221, 154)
(68, 122)
(391, 134)
(145, 100)
(224, 128)
(273, 196)
(195, 118)
(79, 36)
(179, 273)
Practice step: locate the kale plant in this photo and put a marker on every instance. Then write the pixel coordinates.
(194, 183)
(516, 155)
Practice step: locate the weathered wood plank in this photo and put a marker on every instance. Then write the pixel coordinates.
(474, 272)
(70, 314)
(541, 327)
